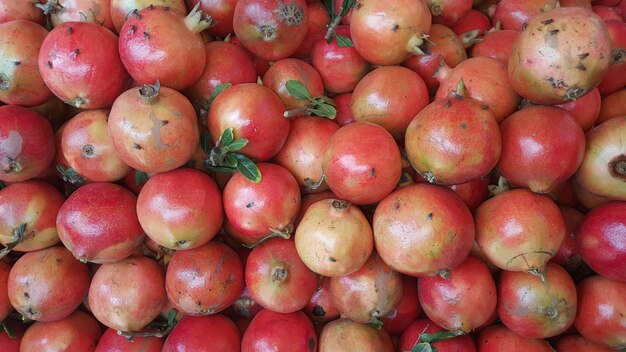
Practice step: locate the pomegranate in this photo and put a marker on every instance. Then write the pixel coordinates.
(472, 193)
(334, 238)
(215, 333)
(575, 342)
(48, 284)
(26, 143)
(568, 255)
(387, 32)
(5, 305)
(513, 14)
(446, 300)
(362, 170)
(204, 280)
(473, 20)
(612, 105)
(82, 75)
(389, 96)
(407, 310)
(425, 333)
(24, 10)
(560, 56)
(98, 223)
(89, 150)
(496, 44)
(77, 332)
(318, 21)
(585, 109)
(599, 240)
(519, 230)
(111, 341)
(369, 293)
(271, 29)
(256, 114)
(277, 278)
(155, 41)
(153, 128)
(601, 311)
(453, 141)
(180, 218)
(603, 170)
(279, 331)
(28, 213)
(128, 294)
(282, 71)
(221, 12)
(93, 11)
(20, 82)
(341, 67)
(120, 9)
(449, 12)
(321, 307)
(607, 13)
(614, 78)
(575, 3)
(342, 335)
(54, 110)
(497, 338)
(423, 230)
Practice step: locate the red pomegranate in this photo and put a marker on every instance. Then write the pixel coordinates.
(342, 335)
(111, 341)
(283, 332)
(407, 310)
(568, 255)
(13, 10)
(121, 8)
(496, 44)
(93, 11)
(575, 342)
(214, 333)
(5, 305)
(285, 70)
(77, 332)
(514, 15)
(321, 307)
(449, 12)
(612, 105)
(445, 341)
(586, 109)
(497, 338)
(221, 12)
(614, 78)
(318, 22)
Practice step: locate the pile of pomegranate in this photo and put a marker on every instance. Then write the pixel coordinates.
(303, 176)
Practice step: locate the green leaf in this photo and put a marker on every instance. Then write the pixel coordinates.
(330, 7)
(140, 177)
(346, 6)
(171, 316)
(222, 87)
(2, 185)
(205, 142)
(248, 169)
(235, 145)
(439, 336)
(8, 329)
(230, 161)
(297, 90)
(227, 137)
(343, 41)
(221, 169)
(422, 347)
(324, 110)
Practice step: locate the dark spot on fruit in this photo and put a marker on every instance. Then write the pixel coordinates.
(430, 216)
(556, 83)
(524, 26)
(372, 172)
(358, 5)
(151, 7)
(447, 104)
(554, 31)
(88, 150)
(132, 29)
(547, 22)
(135, 13)
(75, 53)
(70, 30)
(290, 14)
(318, 311)
(4, 82)
(332, 259)
(397, 206)
(26, 295)
(49, 64)
(59, 261)
(463, 125)
(311, 344)
(250, 205)
(146, 35)
(581, 67)
(137, 146)
(279, 274)
(31, 312)
(395, 27)
(164, 122)
(268, 33)
(17, 63)
(484, 107)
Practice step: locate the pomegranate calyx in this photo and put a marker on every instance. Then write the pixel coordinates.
(19, 234)
(418, 45)
(470, 38)
(49, 8)
(150, 92)
(311, 185)
(618, 167)
(196, 22)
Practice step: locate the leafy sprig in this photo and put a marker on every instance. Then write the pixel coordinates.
(224, 157)
(319, 106)
(346, 6)
(425, 341)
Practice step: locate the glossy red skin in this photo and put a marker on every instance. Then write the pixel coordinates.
(342, 335)
(534, 308)
(36, 204)
(79, 332)
(543, 147)
(221, 11)
(26, 143)
(12, 10)
(21, 82)
(48, 284)
(446, 300)
(576, 342)
(585, 109)
(447, 47)
(496, 45)
(271, 29)
(121, 8)
(604, 148)
(12, 344)
(362, 170)
(256, 114)
(600, 237)
(277, 278)
(285, 70)
(128, 294)
(512, 14)
(159, 55)
(368, 294)
(372, 29)
(407, 310)
(225, 63)
(98, 223)
(54, 110)
(180, 218)
(607, 13)
(154, 135)
(519, 230)
(88, 149)
(473, 193)
(472, 20)
(254, 210)
(303, 152)
(568, 255)
(410, 336)
(389, 96)
(344, 112)
(318, 20)
(497, 338)
(280, 332)
(112, 342)
(621, 7)
(422, 229)
(449, 12)
(341, 68)
(5, 305)
(94, 76)
(453, 141)
(601, 310)
(204, 280)
(94, 11)
(321, 307)
(566, 195)
(614, 79)
(485, 80)
(215, 333)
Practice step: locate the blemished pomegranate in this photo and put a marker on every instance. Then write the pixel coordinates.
(513, 14)
(93, 11)
(5, 304)
(447, 341)
(406, 311)
(342, 335)
(111, 341)
(121, 8)
(321, 307)
(214, 333)
(285, 70)
(282, 331)
(497, 338)
(77, 332)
